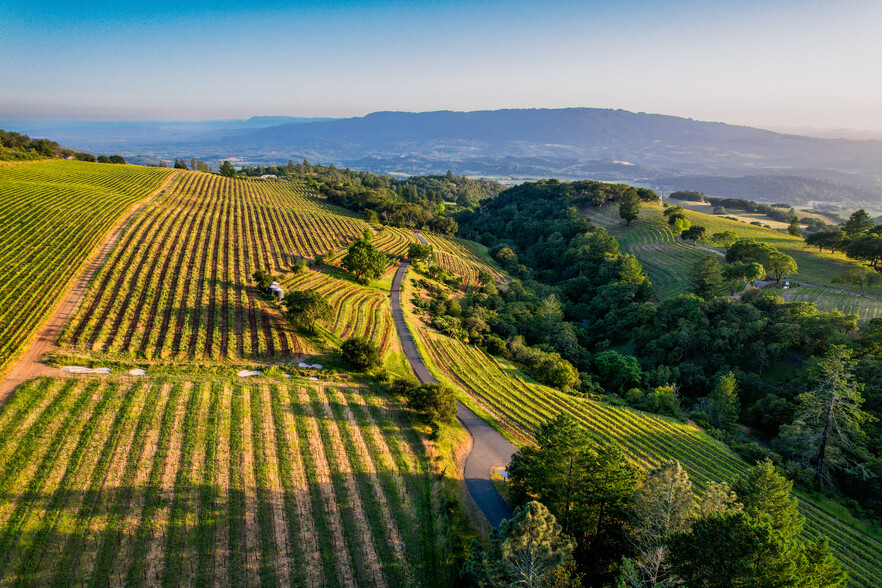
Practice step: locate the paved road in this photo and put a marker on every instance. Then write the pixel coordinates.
(489, 448)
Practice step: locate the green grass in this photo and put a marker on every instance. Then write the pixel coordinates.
(866, 307)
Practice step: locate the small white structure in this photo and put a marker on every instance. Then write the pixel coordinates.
(786, 285)
(311, 366)
(78, 369)
(248, 373)
(137, 372)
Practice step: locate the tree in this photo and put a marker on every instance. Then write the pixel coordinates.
(765, 494)
(793, 228)
(436, 404)
(305, 308)
(227, 170)
(724, 402)
(735, 272)
(587, 487)
(721, 551)
(718, 498)
(370, 216)
(826, 433)
(364, 260)
(629, 209)
(720, 210)
(678, 222)
(617, 372)
(527, 550)
(748, 250)
(725, 238)
(707, 277)
(663, 505)
(362, 353)
(866, 248)
(832, 239)
(694, 233)
(781, 265)
(859, 275)
(858, 223)
(420, 254)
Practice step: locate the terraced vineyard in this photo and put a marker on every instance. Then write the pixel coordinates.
(359, 311)
(519, 406)
(200, 483)
(666, 258)
(179, 282)
(52, 215)
(459, 257)
(866, 307)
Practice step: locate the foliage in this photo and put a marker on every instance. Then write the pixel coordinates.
(707, 277)
(859, 223)
(859, 275)
(629, 208)
(436, 404)
(586, 486)
(364, 260)
(227, 170)
(304, 308)
(617, 372)
(362, 353)
(866, 248)
(826, 433)
(724, 403)
(527, 550)
(420, 254)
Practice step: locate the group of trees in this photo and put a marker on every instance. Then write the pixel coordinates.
(17, 147)
(586, 515)
(575, 294)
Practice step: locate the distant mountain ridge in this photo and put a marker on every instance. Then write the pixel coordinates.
(524, 144)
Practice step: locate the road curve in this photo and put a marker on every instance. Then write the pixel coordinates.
(489, 448)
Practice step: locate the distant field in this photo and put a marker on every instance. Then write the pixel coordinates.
(179, 282)
(211, 483)
(52, 215)
(668, 259)
(519, 405)
(462, 258)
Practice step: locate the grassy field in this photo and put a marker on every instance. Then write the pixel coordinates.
(518, 405)
(668, 259)
(211, 482)
(53, 214)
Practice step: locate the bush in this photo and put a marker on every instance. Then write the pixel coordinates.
(362, 353)
(436, 404)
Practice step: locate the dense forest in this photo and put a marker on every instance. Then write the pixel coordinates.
(578, 296)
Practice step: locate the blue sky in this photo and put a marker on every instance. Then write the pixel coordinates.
(766, 63)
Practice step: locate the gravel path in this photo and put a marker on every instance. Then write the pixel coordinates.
(489, 448)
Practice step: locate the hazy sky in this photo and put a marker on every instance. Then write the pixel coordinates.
(764, 63)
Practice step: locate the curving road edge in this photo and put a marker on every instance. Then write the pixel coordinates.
(489, 448)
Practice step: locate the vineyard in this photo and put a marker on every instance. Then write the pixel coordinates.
(866, 307)
(178, 285)
(200, 483)
(667, 259)
(358, 311)
(518, 406)
(459, 257)
(52, 215)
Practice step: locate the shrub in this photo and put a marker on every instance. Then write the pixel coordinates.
(362, 353)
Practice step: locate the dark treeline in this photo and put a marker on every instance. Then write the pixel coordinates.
(17, 147)
(577, 295)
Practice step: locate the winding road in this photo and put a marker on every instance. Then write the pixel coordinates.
(489, 448)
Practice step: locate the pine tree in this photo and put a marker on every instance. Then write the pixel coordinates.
(718, 498)
(662, 506)
(527, 550)
(826, 431)
(724, 403)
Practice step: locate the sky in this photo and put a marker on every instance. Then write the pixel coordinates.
(770, 63)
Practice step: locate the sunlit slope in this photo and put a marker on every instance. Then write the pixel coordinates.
(53, 214)
(211, 483)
